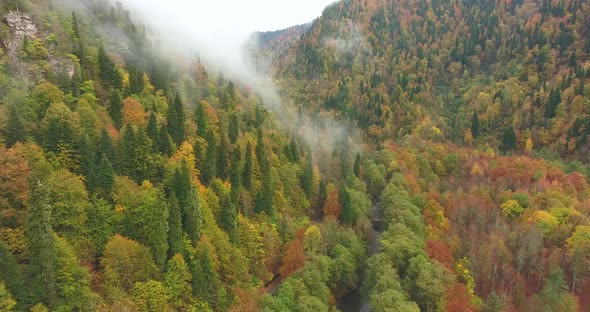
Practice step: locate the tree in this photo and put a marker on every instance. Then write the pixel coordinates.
(125, 262)
(202, 120)
(39, 235)
(175, 119)
(188, 200)
(357, 165)
(235, 174)
(146, 220)
(512, 209)
(104, 177)
(307, 176)
(152, 128)
(293, 258)
(61, 129)
(206, 282)
(229, 212)
(508, 139)
(475, 125)
(150, 296)
(426, 282)
(210, 167)
(177, 281)
(222, 155)
(247, 174)
(101, 224)
(175, 237)
(264, 198)
(15, 130)
(108, 72)
(164, 142)
(116, 109)
(233, 128)
(10, 274)
(7, 303)
(347, 214)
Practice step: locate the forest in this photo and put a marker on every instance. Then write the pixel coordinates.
(132, 181)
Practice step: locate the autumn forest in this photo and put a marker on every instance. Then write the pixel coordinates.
(419, 155)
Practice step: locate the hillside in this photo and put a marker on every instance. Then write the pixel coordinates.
(133, 180)
(388, 66)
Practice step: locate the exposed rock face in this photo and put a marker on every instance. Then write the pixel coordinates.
(20, 26)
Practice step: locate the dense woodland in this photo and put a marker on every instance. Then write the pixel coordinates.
(133, 182)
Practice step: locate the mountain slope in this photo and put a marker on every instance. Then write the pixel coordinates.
(388, 65)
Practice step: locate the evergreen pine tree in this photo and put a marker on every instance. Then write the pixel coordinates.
(307, 176)
(175, 241)
(233, 128)
(105, 147)
(164, 143)
(235, 174)
(222, 155)
(294, 150)
(87, 162)
(475, 125)
(202, 120)
(115, 109)
(210, 167)
(107, 70)
(188, 200)
(40, 240)
(152, 129)
(508, 139)
(357, 165)
(347, 213)
(104, 177)
(15, 130)
(247, 174)
(176, 121)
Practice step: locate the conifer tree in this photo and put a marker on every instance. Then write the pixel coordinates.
(233, 128)
(222, 155)
(210, 167)
(357, 165)
(104, 177)
(235, 175)
(152, 128)
(105, 146)
(307, 176)
(202, 120)
(247, 174)
(475, 125)
(164, 142)
(176, 121)
(294, 150)
(347, 213)
(39, 236)
(87, 162)
(508, 139)
(115, 109)
(15, 130)
(175, 241)
(188, 200)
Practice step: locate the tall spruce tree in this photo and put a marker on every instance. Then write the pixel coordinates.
(188, 200)
(210, 167)
(475, 125)
(116, 109)
(222, 155)
(233, 128)
(247, 174)
(307, 176)
(176, 121)
(347, 215)
(15, 130)
(175, 241)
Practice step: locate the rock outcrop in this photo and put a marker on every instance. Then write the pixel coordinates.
(20, 25)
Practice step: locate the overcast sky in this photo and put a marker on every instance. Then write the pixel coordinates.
(234, 16)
